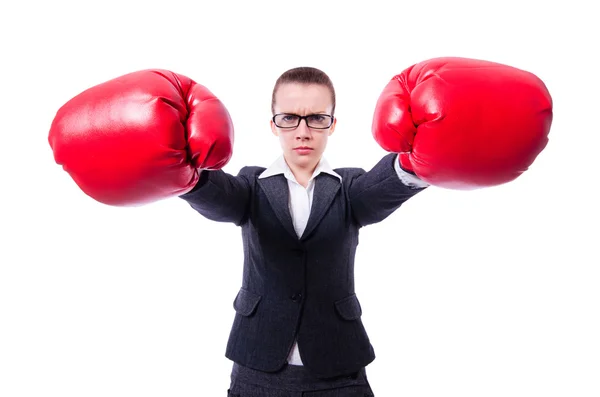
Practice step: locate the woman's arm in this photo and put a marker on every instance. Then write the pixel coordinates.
(376, 194)
(221, 197)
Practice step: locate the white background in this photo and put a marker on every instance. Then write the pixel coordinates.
(487, 293)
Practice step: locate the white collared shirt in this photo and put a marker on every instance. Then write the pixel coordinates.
(301, 199)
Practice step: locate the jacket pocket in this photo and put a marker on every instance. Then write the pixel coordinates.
(349, 308)
(246, 302)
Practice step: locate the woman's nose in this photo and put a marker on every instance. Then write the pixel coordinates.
(302, 131)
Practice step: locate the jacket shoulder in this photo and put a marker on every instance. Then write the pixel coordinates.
(251, 172)
(348, 173)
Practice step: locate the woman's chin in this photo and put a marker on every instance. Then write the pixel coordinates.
(305, 159)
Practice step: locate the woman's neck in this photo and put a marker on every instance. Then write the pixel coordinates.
(303, 174)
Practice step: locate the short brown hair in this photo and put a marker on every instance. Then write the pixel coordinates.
(304, 75)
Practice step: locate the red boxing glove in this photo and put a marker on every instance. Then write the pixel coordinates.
(463, 123)
(141, 137)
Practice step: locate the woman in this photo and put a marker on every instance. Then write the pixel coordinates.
(154, 134)
(297, 329)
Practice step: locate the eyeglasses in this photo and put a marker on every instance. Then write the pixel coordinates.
(289, 120)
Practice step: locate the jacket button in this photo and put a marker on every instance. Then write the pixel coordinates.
(296, 297)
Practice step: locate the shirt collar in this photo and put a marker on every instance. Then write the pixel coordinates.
(281, 167)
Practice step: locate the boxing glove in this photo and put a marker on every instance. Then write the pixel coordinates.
(141, 137)
(462, 123)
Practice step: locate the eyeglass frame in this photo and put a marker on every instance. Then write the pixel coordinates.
(305, 118)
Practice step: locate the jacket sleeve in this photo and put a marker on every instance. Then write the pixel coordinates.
(221, 197)
(376, 194)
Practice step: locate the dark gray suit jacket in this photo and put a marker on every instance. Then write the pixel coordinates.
(300, 287)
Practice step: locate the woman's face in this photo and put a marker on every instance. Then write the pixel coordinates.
(302, 100)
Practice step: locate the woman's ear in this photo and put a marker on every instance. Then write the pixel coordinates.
(274, 128)
(332, 128)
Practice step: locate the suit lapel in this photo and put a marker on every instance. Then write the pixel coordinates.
(326, 187)
(278, 194)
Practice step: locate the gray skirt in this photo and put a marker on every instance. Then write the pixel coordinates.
(295, 381)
